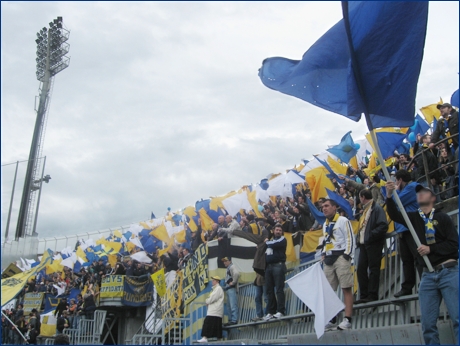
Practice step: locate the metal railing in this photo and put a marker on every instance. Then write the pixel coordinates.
(88, 332)
(175, 336)
(428, 173)
(299, 319)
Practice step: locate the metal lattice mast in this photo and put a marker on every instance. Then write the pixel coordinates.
(52, 48)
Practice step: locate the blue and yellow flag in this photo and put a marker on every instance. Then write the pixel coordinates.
(159, 281)
(13, 285)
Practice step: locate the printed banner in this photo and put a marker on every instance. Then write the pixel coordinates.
(33, 301)
(159, 281)
(172, 301)
(195, 274)
(138, 291)
(51, 303)
(112, 286)
(11, 270)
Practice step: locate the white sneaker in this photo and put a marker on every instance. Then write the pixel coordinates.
(344, 325)
(330, 326)
(278, 315)
(268, 317)
(203, 340)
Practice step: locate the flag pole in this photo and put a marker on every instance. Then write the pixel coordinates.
(397, 200)
(14, 325)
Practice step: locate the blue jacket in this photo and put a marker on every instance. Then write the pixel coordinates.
(276, 250)
(408, 199)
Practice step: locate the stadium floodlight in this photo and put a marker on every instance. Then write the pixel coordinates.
(51, 59)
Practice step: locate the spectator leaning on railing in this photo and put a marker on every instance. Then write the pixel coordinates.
(439, 242)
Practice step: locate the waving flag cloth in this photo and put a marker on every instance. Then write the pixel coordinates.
(389, 139)
(431, 112)
(454, 100)
(320, 297)
(346, 149)
(360, 66)
(11, 286)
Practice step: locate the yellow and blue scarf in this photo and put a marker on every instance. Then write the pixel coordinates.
(429, 227)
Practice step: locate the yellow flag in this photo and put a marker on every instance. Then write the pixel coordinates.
(163, 251)
(206, 221)
(353, 162)
(318, 182)
(112, 259)
(117, 234)
(216, 202)
(431, 111)
(311, 240)
(253, 201)
(161, 233)
(112, 247)
(337, 167)
(180, 236)
(354, 226)
(159, 281)
(54, 267)
(80, 253)
(290, 250)
(13, 285)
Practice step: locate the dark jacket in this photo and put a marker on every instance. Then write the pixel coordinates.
(440, 130)
(432, 163)
(276, 250)
(376, 227)
(306, 218)
(446, 236)
(61, 321)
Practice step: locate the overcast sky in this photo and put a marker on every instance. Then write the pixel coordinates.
(162, 105)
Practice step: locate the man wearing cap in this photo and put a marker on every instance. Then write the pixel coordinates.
(231, 287)
(447, 125)
(439, 240)
(212, 325)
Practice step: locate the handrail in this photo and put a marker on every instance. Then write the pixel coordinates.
(435, 144)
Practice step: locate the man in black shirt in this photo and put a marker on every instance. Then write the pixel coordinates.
(439, 240)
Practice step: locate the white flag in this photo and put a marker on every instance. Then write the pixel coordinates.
(141, 256)
(313, 289)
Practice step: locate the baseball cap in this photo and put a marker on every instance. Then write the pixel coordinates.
(420, 187)
(216, 278)
(444, 105)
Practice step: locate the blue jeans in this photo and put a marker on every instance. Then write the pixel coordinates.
(261, 291)
(275, 275)
(232, 304)
(433, 288)
(76, 322)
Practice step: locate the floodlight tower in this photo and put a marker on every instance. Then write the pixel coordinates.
(52, 48)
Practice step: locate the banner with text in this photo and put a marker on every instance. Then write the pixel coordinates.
(195, 274)
(33, 301)
(112, 286)
(138, 291)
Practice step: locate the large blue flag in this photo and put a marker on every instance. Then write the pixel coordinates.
(361, 65)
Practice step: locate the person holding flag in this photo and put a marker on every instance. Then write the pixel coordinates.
(439, 242)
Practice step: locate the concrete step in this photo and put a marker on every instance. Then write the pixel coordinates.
(409, 334)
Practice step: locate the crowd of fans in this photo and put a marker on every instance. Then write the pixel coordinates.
(432, 165)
